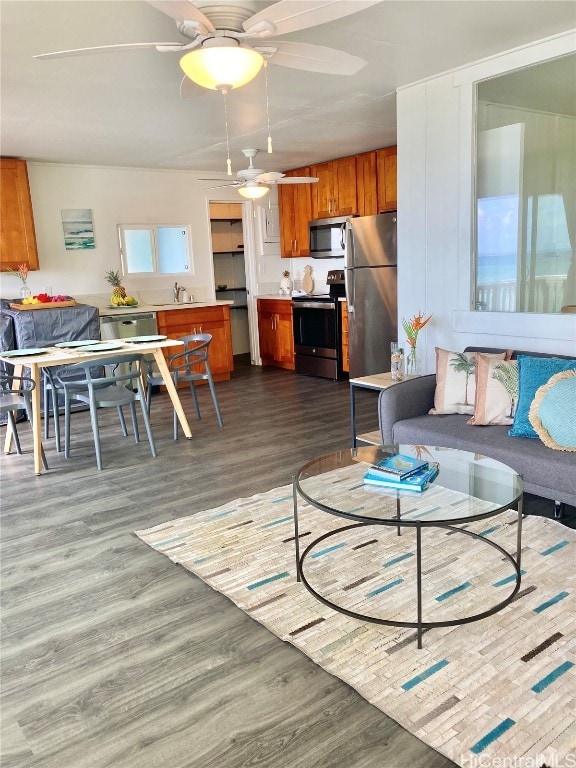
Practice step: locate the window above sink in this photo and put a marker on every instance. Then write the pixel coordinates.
(155, 249)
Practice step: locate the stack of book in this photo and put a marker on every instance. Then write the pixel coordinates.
(404, 473)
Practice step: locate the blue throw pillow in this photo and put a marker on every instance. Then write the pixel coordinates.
(533, 372)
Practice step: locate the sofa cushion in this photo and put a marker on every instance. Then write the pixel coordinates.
(455, 381)
(545, 468)
(553, 412)
(496, 391)
(533, 372)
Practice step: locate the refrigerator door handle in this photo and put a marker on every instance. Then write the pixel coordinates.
(349, 263)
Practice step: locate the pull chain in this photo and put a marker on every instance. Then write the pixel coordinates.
(267, 107)
(228, 161)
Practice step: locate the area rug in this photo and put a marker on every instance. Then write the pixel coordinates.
(500, 689)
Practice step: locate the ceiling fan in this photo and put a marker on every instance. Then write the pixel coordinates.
(255, 182)
(233, 28)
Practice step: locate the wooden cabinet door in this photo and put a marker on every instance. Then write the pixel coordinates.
(344, 181)
(226, 211)
(284, 339)
(275, 333)
(366, 184)
(176, 323)
(386, 174)
(17, 235)
(323, 202)
(295, 210)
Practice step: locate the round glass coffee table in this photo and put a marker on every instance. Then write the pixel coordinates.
(436, 535)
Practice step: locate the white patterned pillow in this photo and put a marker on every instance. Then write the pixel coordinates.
(456, 381)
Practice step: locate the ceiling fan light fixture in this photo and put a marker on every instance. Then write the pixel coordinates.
(253, 191)
(221, 64)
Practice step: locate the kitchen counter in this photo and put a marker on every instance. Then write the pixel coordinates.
(113, 311)
(274, 296)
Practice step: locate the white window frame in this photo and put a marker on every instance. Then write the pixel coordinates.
(153, 230)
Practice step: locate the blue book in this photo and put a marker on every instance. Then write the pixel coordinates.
(417, 482)
(399, 466)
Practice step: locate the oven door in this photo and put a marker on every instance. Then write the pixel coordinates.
(315, 328)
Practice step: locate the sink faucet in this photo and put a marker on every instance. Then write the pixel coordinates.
(177, 291)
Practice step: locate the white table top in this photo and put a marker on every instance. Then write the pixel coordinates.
(67, 356)
(378, 381)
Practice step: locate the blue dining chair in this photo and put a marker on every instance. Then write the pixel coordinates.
(15, 395)
(190, 365)
(122, 386)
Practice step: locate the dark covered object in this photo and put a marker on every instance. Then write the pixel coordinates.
(45, 327)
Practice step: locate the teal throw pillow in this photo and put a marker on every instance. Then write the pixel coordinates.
(533, 372)
(553, 412)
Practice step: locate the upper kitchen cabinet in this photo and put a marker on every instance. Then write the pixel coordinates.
(17, 236)
(366, 184)
(226, 211)
(386, 176)
(295, 209)
(335, 192)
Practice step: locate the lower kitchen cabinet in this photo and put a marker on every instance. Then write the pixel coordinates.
(275, 332)
(345, 357)
(176, 323)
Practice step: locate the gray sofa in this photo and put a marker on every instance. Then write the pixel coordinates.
(403, 415)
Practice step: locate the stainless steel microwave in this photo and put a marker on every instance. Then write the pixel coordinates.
(328, 237)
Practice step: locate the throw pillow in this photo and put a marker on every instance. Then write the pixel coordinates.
(553, 412)
(496, 391)
(533, 372)
(455, 381)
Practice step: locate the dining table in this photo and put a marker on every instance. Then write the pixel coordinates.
(52, 356)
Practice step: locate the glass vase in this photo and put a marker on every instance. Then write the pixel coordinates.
(412, 362)
(396, 361)
(25, 292)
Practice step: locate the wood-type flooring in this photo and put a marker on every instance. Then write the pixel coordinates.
(113, 657)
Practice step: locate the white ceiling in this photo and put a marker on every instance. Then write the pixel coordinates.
(124, 109)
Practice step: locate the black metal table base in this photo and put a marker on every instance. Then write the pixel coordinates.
(419, 624)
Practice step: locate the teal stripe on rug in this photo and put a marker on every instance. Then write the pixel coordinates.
(328, 549)
(277, 522)
(261, 583)
(552, 601)
(492, 735)
(385, 588)
(280, 499)
(424, 675)
(399, 559)
(221, 514)
(489, 530)
(508, 579)
(550, 678)
(555, 548)
(452, 592)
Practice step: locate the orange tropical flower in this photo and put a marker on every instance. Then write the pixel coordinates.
(413, 327)
(21, 272)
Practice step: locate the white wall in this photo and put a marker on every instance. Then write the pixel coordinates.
(120, 196)
(435, 161)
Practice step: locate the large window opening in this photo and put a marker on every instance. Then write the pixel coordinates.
(154, 249)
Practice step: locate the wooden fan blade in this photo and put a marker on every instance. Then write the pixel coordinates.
(111, 49)
(182, 10)
(313, 58)
(298, 180)
(292, 15)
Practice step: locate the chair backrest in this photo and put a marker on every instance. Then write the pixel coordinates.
(195, 352)
(89, 374)
(14, 391)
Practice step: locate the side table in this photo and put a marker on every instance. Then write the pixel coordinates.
(376, 382)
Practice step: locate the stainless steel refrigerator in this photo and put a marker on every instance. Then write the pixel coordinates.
(371, 292)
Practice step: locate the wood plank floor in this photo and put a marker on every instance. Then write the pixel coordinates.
(113, 657)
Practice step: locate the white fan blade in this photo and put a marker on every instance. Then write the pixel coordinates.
(182, 10)
(298, 180)
(269, 178)
(314, 58)
(111, 49)
(292, 15)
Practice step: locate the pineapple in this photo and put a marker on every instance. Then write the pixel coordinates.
(118, 292)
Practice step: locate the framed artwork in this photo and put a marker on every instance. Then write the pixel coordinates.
(78, 229)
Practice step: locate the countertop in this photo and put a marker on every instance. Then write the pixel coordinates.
(114, 311)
